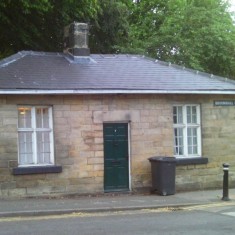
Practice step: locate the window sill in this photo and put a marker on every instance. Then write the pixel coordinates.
(36, 170)
(191, 161)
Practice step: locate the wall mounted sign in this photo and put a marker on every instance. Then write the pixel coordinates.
(224, 102)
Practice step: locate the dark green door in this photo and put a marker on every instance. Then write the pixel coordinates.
(116, 170)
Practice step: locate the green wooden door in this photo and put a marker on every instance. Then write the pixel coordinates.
(116, 169)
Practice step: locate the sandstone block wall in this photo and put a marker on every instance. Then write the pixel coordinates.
(78, 141)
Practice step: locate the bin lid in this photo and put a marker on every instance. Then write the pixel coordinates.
(162, 159)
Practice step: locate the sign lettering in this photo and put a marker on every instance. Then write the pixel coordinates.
(224, 103)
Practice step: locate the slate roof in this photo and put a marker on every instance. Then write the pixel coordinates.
(39, 72)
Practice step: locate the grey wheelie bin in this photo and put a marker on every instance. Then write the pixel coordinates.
(163, 175)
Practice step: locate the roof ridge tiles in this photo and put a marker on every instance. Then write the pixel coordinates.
(42, 53)
(10, 59)
(208, 75)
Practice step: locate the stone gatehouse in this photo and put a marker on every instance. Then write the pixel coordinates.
(79, 123)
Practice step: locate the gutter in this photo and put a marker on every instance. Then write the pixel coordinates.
(104, 92)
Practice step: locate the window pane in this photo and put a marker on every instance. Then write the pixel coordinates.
(192, 140)
(24, 117)
(25, 148)
(180, 114)
(179, 148)
(192, 114)
(43, 147)
(177, 115)
(189, 118)
(42, 118)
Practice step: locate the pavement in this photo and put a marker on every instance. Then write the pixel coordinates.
(42, 206)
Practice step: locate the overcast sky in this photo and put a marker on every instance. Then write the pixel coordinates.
(233, 4)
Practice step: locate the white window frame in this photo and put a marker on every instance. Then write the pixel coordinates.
(34, 131)
(184, 125)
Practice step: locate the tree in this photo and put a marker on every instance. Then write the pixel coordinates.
(38, 25)
(110, 29)
(194, 33)
(17, 17)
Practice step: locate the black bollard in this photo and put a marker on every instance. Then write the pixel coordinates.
(225, 182)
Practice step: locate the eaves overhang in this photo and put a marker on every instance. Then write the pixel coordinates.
(113, 91)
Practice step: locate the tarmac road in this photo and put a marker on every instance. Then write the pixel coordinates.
(210, 219)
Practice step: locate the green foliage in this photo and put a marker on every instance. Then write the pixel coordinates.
(194, 33)
(111, 27)
(38, 24)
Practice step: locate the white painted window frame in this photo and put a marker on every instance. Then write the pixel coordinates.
(34, 131)
(185, 127)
